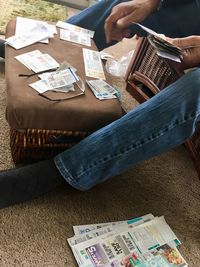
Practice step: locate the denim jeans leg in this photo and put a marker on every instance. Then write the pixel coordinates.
(159, 124)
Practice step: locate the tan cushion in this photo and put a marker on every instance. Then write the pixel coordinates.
(26, 109)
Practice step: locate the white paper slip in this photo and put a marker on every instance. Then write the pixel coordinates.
(52, 29)
(47, 62)
(46, 75)
(36, 34)
(75, 37)
(37, 61)
(93, 64)
(74, 28)
(24, 25)
(40, 86)
(27, 57)
(65, 89)
(113, 228)
(42, 63)
(168, 56)
(77, 239)
(82, 229)
(150, 31)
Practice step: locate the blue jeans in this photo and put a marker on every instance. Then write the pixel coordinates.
(161, 123)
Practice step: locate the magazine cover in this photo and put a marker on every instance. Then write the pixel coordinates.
(134, 247)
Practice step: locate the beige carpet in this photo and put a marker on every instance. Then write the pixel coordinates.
(35, 9)
(34, 234)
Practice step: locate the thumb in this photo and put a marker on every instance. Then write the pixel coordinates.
(186, 42)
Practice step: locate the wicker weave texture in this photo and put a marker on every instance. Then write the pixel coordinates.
(35, 144)
(156, 69)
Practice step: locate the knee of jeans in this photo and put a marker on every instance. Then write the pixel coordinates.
(195, 77)
(192, 82)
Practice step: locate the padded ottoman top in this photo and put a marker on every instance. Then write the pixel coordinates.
(26, 109)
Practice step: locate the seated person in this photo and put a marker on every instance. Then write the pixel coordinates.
(169, 117)
(174, 18)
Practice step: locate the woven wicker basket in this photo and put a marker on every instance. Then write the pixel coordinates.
(32, 144)
(147, 75)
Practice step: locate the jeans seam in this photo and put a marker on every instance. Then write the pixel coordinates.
(67, 175)
(140, 143)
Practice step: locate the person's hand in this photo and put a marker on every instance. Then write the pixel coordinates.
(191, 50)
(124, 14)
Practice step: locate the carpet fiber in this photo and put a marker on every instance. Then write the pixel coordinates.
(36, 9)
(34, 234)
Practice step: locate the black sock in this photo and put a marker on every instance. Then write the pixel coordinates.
(2, 48)
(28, 182)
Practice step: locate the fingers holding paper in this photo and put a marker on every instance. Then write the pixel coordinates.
(190, 50)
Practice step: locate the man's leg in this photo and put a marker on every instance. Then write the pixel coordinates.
(157, 125)
(176, 18)
(28, 182)
(161, 123)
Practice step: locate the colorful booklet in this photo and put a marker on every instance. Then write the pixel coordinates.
(146, 241)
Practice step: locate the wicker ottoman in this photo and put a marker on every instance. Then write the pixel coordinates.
(41, 128)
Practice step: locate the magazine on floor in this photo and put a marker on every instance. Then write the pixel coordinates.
(146, 241)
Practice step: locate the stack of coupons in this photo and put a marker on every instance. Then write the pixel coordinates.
(57, 81)
(37, 61)
(37, 32)
(146, 241)
(102, 90)
(74, 33)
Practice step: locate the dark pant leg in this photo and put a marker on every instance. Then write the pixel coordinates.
(176, 18)
(2, 48)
